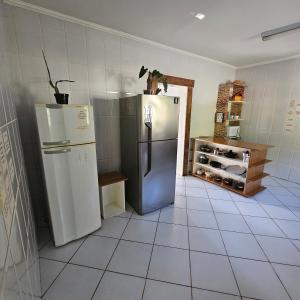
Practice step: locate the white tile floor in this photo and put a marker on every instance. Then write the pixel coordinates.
(210, 245)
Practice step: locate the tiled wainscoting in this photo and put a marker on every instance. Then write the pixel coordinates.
(210, 245)
(102, 64)
(19, 261)
(272, 95)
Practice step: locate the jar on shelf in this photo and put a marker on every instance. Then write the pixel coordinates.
(246, 156)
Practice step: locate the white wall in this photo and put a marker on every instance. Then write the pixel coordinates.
(19, 260)
(270, 89)
(181, 92)
(99, 62)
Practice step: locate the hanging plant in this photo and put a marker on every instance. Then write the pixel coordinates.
(154, 77)
(60, 98)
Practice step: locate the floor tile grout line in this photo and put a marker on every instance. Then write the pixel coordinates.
(66, 263)
(281, 179)
(188, 226)
(268, 261)
(197, 251)
(236, 282)
(208, 211)
(297, 247)
(119, 240)
(274, 219)
(190, 261)
(285, 206)
(270, 217)
(153, 279)
(151, 255)
(234, 202)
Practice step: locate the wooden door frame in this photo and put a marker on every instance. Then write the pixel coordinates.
(189, 83)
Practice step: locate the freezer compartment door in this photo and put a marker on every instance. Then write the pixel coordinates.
(72, 188)
(163, 114)
(51, 125)
(62, 125)
(157, 174)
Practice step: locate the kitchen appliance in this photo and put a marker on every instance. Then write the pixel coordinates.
(215, 164)
(149, 129)
(200, 172)
(233, 132)
(67, 143)
(216, 151)
(236, 169)
(206, 148)
(238, 185)
(230, 154)
(218, 178)
(228, 181)
(203, 159)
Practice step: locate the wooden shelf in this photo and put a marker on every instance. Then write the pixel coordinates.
(221, 184)
(260, 163)
(234, 101)
(219, 170)
(231, 189)
(257, 177)
(251, 179)
(235, 120)
(110, 178)
(234, 160)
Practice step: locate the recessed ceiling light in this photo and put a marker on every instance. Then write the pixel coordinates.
(199, 16)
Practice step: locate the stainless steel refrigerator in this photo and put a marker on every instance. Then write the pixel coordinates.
(149, 130)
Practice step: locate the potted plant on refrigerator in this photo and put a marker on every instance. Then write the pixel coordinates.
(154, 77)
(61, 98)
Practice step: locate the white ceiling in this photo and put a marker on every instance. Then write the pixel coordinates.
(230, 32)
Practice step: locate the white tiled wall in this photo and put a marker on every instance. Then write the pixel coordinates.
(19, 262)
(270, 89)
(99, 62)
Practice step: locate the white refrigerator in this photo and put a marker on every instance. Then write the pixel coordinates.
(68, 149)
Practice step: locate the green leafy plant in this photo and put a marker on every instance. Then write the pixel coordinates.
(153, 78)
(54, 85)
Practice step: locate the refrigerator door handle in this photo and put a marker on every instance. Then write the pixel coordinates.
(59, 151)
(149, 148)
(57, 143)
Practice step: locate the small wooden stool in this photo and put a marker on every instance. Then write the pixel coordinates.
(112, 194)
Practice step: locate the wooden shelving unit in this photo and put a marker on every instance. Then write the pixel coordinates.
(254, 167)
(229, 106)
